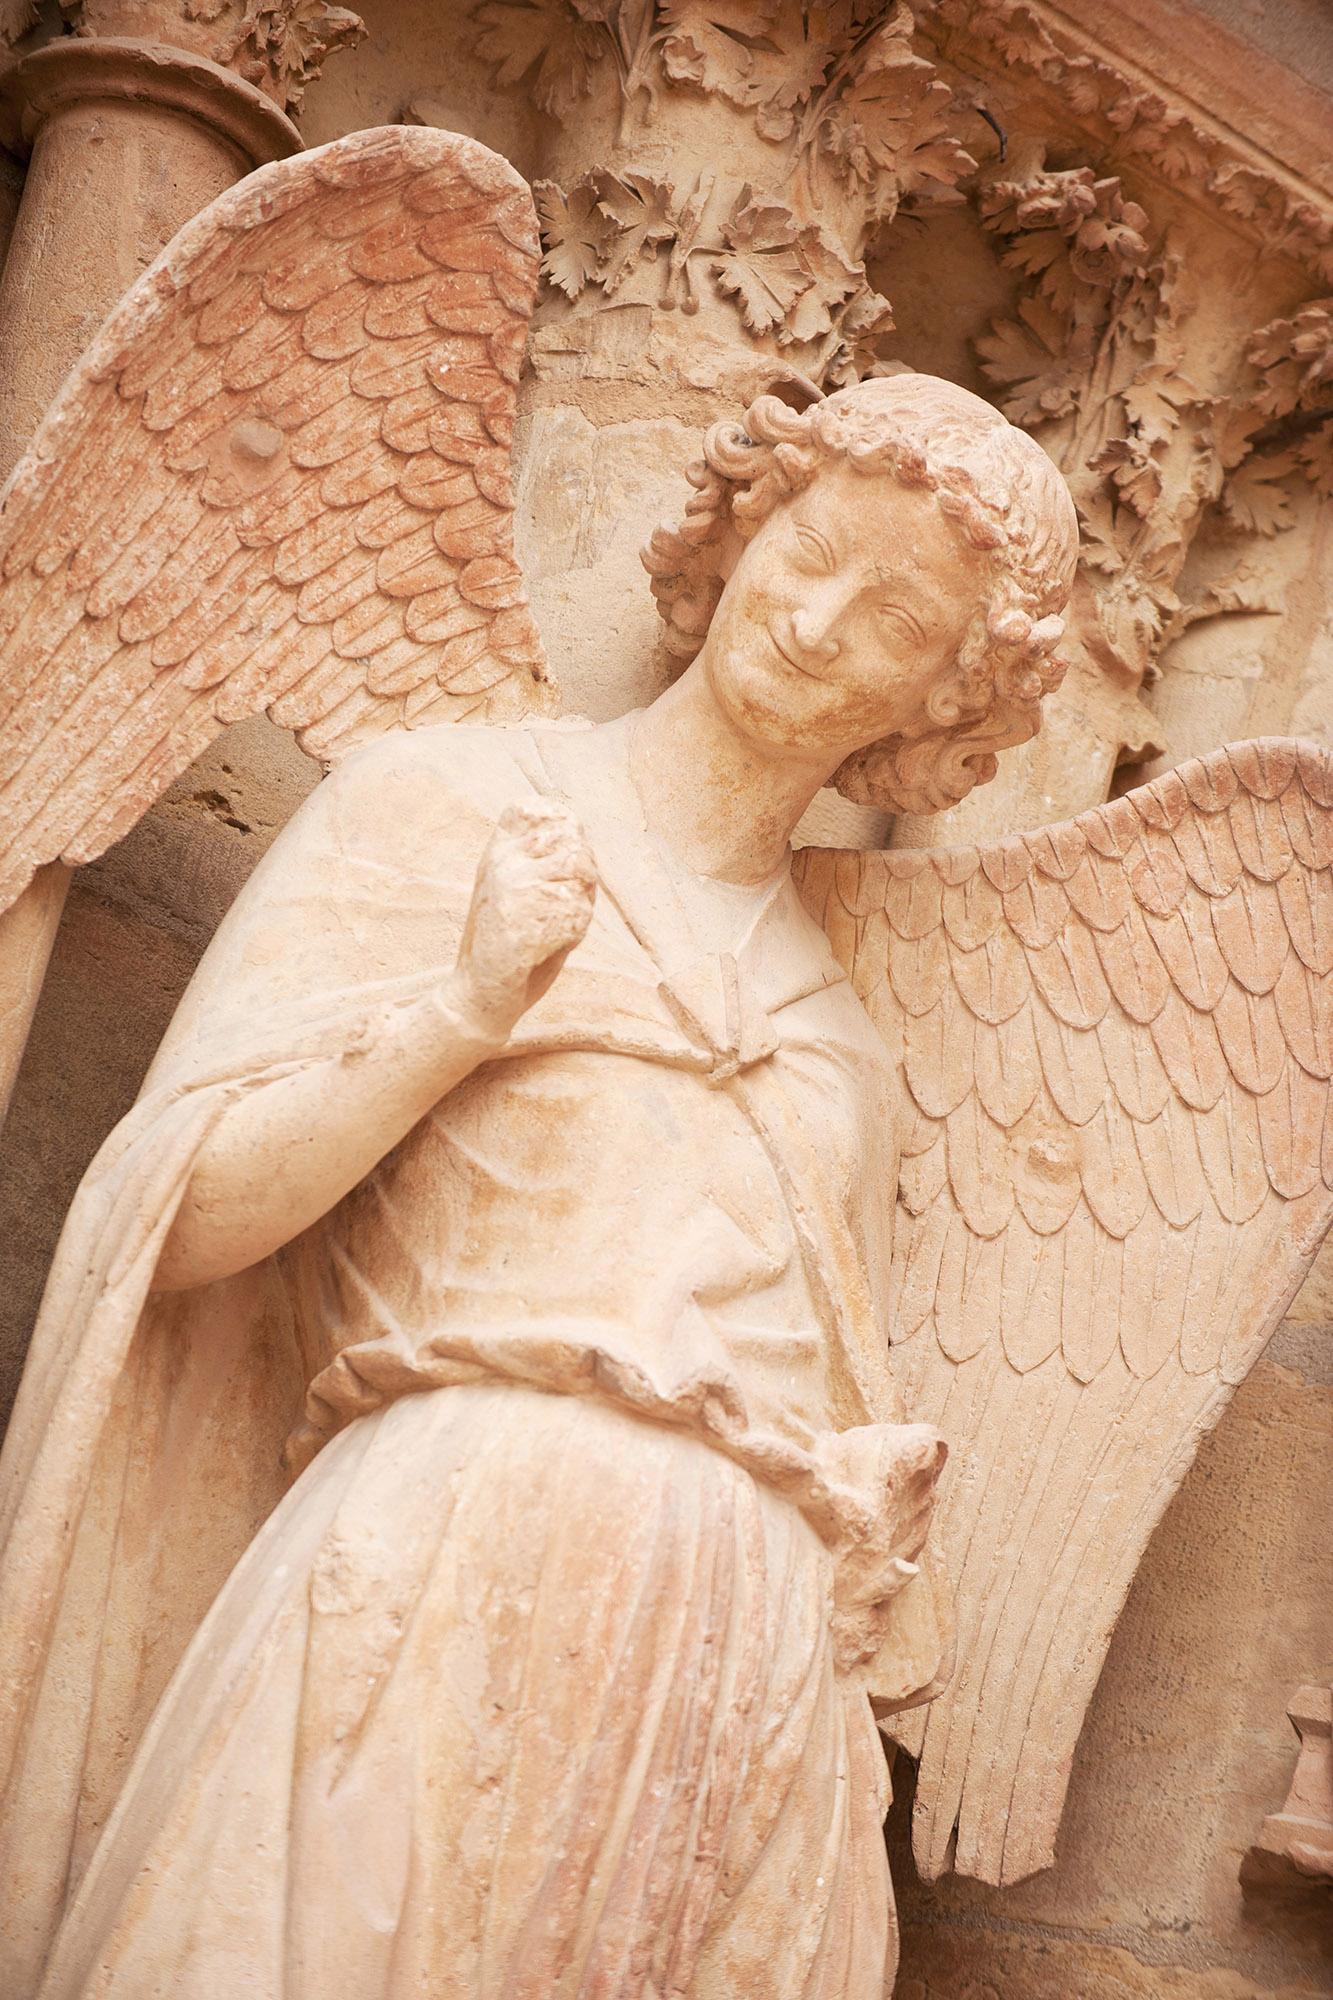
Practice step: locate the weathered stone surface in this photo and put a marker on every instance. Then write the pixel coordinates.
(1177, 1766)
(1259, 667)
(399, 958)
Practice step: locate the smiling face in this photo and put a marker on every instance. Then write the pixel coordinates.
(842, 614)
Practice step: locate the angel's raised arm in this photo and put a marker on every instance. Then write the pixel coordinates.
(387, 944)
(1114, 1039)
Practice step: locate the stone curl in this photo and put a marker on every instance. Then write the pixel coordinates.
(990, 479)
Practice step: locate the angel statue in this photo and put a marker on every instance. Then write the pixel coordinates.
(462, 1511)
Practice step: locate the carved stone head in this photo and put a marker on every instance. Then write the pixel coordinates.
(906, 551)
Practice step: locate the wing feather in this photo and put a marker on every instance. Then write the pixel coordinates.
(1072, 1064)
(1304, 1005)
(1008, 1067)
(279, 479)
(1169, 1155)
(1115, 1039)
(1194, 962)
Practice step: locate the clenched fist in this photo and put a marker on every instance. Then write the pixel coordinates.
(531, 904)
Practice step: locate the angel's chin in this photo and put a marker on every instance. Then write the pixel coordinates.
(786, 711)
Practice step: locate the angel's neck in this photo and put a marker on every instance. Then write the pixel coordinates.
(723, 803)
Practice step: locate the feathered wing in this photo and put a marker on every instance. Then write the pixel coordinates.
(278, 479)
(1115, 1039)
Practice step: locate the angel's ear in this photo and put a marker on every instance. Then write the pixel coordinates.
(947, 700)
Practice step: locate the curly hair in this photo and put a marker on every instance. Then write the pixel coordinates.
(997, 486)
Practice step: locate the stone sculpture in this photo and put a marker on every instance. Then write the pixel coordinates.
(1296, 1843)
(519, 1072)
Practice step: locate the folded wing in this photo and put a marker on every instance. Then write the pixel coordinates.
(1115, 1039)
(279, 479)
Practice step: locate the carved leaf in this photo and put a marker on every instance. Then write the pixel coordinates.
(515, 35)
(640, 210)
(1254, 498)
(1295, 358)
(888, 128)
(1021, 38)
(1242, 590)
(556, 44)
(291, 39)
(1315, 454)
(1135, 473)
(831, 280)
(768, 55)
(1043, 254)
(16, 17)
(1102, 543)
(1037, 366)
(575, 231)
(762, 265)
(720, 45)
(1168, 138)
(864, 322)
(1155, 398)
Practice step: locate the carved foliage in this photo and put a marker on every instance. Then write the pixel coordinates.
(1284, 424)
(840, 83)
(552, 45)
(882, 120)
(282, 44)
(848, 107)
(787, 279)
(1139, 123)
(16, 17)
(1092, 364)
(766, 57)
(278, 45)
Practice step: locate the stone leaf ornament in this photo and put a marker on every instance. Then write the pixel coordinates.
(279, 479)
(16, 17)
(841, 82)
(787, 278)
(850, 117)
(1115, 1037)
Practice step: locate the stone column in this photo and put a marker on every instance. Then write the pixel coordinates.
(705, 199)
(1248, 652)
(132, 125)
(1136, 367)
(1148, 237)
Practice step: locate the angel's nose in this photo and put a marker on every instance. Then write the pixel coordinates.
(812, 630)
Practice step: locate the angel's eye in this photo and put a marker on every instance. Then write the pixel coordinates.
(815, 548)
(902, 621)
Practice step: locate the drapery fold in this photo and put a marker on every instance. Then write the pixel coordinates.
(146, 1448)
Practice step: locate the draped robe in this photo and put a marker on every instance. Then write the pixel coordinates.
(731, 1290)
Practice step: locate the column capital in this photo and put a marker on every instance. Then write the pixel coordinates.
(731, 182)
(76, 70)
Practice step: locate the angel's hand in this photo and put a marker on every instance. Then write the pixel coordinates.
(531, 904)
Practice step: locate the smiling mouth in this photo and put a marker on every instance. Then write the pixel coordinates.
(795, 665)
